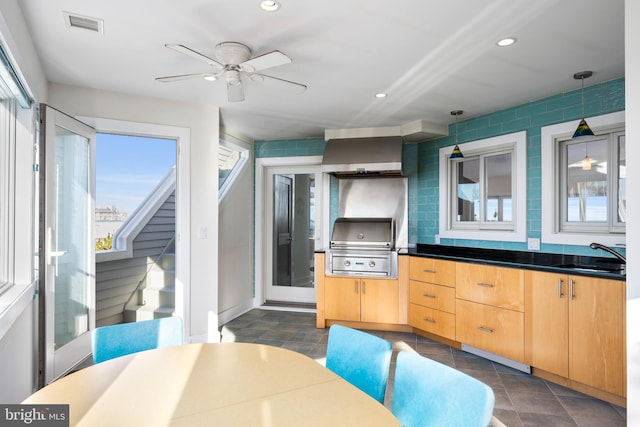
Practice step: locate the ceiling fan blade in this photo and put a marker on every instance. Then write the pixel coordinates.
(235, 92)
(268, 60)
(210, 76)
(197, 55)
(275, 81)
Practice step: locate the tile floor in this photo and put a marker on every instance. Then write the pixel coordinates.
(521, 399)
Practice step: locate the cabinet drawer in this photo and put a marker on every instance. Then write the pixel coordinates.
(497, 286)
(496, 330)
(433, 296)
(435, 321)
(431, 270)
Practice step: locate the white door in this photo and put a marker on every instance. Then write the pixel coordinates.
(292, 204)
(67, 264)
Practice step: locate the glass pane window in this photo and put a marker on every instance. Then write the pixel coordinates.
(484, 191)
(586, 184)
(593, 184)
(621, 202)
(468, 190)
(233, 155)
(498, 188)
(228, 158)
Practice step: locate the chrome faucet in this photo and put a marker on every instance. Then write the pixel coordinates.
(595, 245)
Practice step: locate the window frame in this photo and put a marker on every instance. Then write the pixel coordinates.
(512, 231)
(552, 181)
(236, 144)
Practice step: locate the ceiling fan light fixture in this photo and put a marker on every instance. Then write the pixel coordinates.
(269, 5)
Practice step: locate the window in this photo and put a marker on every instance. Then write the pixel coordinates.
(12, 96)
(584, 183)
(233, 155)
(483, 194)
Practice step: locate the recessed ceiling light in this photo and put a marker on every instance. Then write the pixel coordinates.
(381, 95)
(269, 5)
(508, 41)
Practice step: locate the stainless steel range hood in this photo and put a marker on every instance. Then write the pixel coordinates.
(363, 157)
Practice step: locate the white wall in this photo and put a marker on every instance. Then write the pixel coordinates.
(632, 95)
(235, 247)
(203, 121)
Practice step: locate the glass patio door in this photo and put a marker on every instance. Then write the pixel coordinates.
(67, 264)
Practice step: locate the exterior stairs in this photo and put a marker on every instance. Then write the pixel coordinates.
(156, 295)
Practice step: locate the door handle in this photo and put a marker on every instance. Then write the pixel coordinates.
(49, 253)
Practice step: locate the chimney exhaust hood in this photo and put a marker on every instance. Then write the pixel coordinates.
(363, 157)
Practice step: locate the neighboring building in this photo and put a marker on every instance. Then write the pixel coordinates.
(108, 220)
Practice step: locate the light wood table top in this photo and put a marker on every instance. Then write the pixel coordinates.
(226, 384)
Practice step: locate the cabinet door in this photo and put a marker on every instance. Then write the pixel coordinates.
(487, 284)
(431, 270)
(342, 298)
(547, 317)
(379, 301)
(596, 325)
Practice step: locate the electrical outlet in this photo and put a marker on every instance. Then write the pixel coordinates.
(437, 239)
(533, 244)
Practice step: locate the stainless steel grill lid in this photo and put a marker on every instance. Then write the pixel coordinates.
(363, 233)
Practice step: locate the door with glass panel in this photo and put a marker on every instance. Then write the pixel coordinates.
(67, 266)
(291, 208)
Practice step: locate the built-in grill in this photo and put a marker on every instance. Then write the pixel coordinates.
(363, 247)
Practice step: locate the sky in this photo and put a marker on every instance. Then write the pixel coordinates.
(129, 167)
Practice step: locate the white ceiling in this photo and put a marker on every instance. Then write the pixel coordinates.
(431, 57)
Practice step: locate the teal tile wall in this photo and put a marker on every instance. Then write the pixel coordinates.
(599, 99)
(289, 148)
(421, 160)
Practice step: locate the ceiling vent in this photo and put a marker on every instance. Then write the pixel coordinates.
(72, 20)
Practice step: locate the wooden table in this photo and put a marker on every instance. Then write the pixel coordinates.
(226, 384)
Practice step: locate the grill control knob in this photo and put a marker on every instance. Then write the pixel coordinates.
(347, 263)
(372, 263)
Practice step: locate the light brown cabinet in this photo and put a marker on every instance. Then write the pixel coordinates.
(432, 295)
(361, 299)
(575, 328)
(490, 309)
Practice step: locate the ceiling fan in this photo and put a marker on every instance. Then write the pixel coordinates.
(235, 65)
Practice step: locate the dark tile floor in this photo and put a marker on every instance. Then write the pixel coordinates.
(521, 399)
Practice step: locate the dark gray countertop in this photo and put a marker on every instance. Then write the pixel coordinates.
(602, 267)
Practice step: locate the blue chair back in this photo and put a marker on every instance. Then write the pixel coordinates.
(360, 358)
(428, 393)
(118, 340)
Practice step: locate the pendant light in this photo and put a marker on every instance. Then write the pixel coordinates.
(583, 129)
(456, 153)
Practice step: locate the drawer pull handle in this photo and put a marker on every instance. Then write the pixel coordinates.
(426, 270)
(430, 320)
(485, 329)
(429, 296)
(485, 285)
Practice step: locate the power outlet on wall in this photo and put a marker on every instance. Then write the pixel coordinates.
(533, 244)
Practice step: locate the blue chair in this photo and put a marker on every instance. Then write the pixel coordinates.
(118, 340)
(360, 358)
(428, 393)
